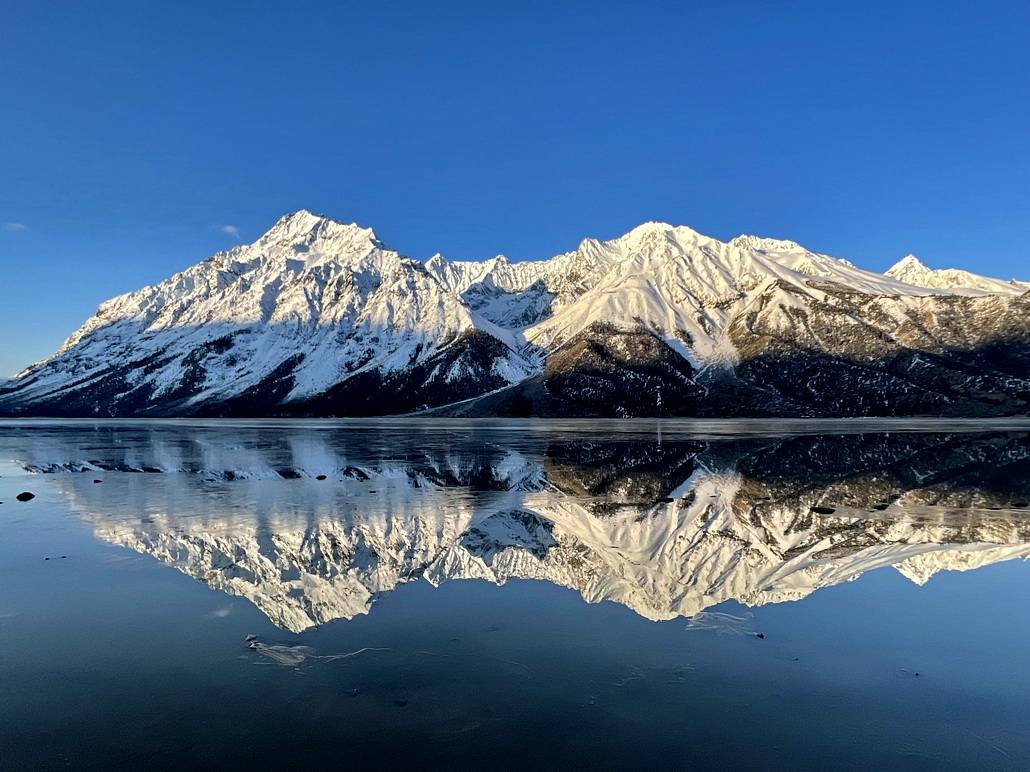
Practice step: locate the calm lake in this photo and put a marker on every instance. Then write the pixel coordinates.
(506, 594)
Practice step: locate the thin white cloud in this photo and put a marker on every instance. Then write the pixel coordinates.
(230, 230)
(15, 227)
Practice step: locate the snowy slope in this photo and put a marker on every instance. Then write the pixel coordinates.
(687, 287)
(325, 298)
(911, 271)
(320, 317)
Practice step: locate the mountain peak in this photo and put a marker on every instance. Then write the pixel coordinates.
(907, 262)
(656, 230)
(300, 220)
(911, 271)
(300, 215)
(652, 226)
(306, 227)
(764, 244)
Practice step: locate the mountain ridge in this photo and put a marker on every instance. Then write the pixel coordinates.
(317, 314)
(911, 270)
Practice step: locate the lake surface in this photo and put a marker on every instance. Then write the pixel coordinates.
(572, 594)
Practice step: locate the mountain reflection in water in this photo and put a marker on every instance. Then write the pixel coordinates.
(665, 521)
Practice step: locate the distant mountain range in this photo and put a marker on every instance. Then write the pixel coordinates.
(320, 318)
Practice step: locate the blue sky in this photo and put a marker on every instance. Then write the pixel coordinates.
(132, 132)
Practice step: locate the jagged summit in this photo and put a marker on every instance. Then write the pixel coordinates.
(909, 267)
(652, 228)
(911, 270)
(764, 244)
(320, 316)
(305, 228)
(907, 262)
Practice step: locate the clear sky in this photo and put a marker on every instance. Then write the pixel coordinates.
(133, 133)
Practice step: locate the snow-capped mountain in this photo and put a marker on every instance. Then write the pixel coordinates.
(318, 317)
(309, 305)
(665, 527)
(911, 271)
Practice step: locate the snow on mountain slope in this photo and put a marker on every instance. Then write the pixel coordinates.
(520, 294)
(320, 317)
(768, 328)
(911, 271)
(687, 288)
(668, 277)
(316, 299)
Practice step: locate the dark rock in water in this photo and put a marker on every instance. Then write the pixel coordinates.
(289, 474)
(822, 510)
(25, 496)
(665, 500)
(760, 635)
(400, 703)
(880, 507)
(319, 476)
(97, 481)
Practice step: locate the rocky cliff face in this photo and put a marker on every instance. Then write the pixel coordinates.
(318, 317)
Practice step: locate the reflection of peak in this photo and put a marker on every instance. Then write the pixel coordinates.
(667, 527)
(663, 561)
(298, 574)
(922, 567)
